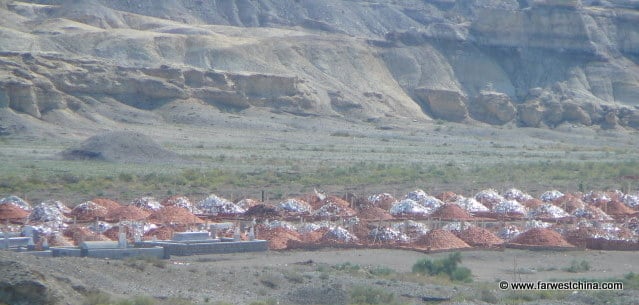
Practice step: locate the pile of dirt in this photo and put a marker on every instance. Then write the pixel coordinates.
(489, 197)
(57, 239)
(551, 196)
(382, 200)
(541, 237)
(532, 204)
(387, 235)
(181, 201)
(79, 234)
(451, 211)
(374, 213)
(517, 195)
(334, 209)
(127, 212)
(107, 203)
(248, 203)
(408, 207)
(17, 201)
(596, 197)
(547, 211)
(509, 207)
(147, 203)
(219, 206)
(479, 237)
(48, 211)
(338, 235)
(412, 229)
(174, 215)
(295, 206)
(122, 147)
(12, 212)
(615, 208)
(113, 233)
(448, 196)
(263, 211)
(470, 204)
(160, 233)
(314, 236)
(441, 240)
(88, 211)
(591, 212)
(277, 237)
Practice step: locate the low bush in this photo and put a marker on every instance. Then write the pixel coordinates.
(447, 266)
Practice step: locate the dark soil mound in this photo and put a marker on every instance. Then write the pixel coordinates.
(120, 146)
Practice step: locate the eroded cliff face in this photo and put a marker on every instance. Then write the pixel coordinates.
(536, 63)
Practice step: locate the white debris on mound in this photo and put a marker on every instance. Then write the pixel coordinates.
(309, 227)
(591, 212)
(596, 197)
(517, 195)
(295, 206)
(340, 234)
(332, 209)
(457, 226)
(183, 202)
(49, 211)
(416, 195)
(548, 210)
(549, 196)
(386, 234)
(489, 197)
(409, 207)
(508, 232)
(218, 205)
(536, 224)
(509, 207)
(379, 198)
(412, 229)
(630, 200)
(17, 201)
(99, 227)
(470, 204)
(281, 224)
(147, 203)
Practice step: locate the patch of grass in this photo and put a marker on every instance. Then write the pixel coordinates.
(294, 277)
(381, 271)
(576, 266)
(271, 281)
(264, 302)
(366, 295)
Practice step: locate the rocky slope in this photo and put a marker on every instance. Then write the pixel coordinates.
(69, 65)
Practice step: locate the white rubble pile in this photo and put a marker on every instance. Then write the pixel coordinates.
(218, 205)
(281, 224)
(185, 202)
(379, 198)
(247, 203)
(630, 200)
(508, 232)
(294, 205)
(457, 226)
(351, 221)
(99, 227)
(411, 228)
(17, 201)
(416, 195)
(87, 207)
(509, 207)
(489, 196)
(536, 224)
(549, 196)
(596, 197)
(546, 210)
(309, 227)
(470, 204)
(330, 210)
(517, 195)
(591, 212)
(341, 234)
(409, 207)
(48, 211)
(147, 203)
(386, 234)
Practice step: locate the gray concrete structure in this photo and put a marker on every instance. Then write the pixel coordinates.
(212, 246)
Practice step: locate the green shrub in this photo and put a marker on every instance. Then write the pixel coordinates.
(381, 271)
(447, 266)
(97, 298)
(576, 266)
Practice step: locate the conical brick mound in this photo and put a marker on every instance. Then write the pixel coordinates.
(277, 237)
(451, 211)
(9, 211)
(89, 210)
(174, 215)
(374, 213)
(541, 237)
(107, 203)
(441, 240)
(127, 212)
(161, 233)
(616, 208)
(479, 237)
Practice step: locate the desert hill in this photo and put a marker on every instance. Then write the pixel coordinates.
(93, 65)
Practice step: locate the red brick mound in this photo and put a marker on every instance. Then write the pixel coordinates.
(615, 208)
(88, 211)
(9, 211)
(480, 237)
(174, 214)
(161, 233)
(374, 213)
(107, 203)
(277, 237)
(127, 212)
(440, 240)
(451, 211)
(541, 237)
